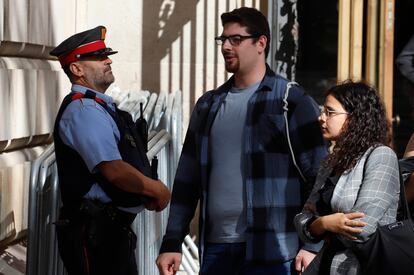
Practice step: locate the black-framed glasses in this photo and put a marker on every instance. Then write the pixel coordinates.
(331, 113)
(235, 40)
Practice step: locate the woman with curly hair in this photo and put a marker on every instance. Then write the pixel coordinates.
(357, 187)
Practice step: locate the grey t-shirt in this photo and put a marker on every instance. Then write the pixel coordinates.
(226, 203)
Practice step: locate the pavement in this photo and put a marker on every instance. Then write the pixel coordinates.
(13, 259)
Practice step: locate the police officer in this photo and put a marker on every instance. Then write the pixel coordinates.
(104, 174)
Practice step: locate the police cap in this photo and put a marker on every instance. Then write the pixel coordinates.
(84, 44)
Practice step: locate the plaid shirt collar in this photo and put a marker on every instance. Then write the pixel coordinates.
(266, 84)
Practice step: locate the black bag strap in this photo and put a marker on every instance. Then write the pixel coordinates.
(403, 198)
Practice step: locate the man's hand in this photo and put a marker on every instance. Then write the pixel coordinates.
(161, 199)
(168, 263)
(303, 259)
(129, 179)
(150, 205)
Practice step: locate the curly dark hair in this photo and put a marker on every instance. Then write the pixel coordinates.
(367, 124)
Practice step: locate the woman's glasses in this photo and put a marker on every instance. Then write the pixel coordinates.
(331, 113)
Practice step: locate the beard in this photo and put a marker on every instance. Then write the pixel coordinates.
(232, 66)
(103, 80)
(231, 61)
(108, 78)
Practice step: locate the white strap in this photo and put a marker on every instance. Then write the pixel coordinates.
(285, 114)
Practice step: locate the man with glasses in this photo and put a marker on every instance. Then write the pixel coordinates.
(237, 162)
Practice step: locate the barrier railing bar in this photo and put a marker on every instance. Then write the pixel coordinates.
(189, 258)
(33, 241)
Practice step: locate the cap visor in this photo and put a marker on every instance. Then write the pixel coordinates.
(103, 52)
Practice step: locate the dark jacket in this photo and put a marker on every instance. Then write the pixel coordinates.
(268, 167)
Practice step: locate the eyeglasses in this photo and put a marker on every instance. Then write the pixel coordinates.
(235, 40)
(331, 113)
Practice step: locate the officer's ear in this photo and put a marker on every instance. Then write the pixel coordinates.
(76, 69)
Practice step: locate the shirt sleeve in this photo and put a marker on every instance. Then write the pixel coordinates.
(310, 149)
(306, 136)
(186, 190)
(379, 190)
(87, 128)
(309, 214)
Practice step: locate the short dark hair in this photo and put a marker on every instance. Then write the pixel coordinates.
(255, 22)
(68, 72)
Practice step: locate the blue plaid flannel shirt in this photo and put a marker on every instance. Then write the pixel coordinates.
(274, 191)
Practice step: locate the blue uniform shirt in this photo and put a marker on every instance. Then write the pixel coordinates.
(87, 128)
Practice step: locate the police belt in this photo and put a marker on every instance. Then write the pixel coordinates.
(95, 208)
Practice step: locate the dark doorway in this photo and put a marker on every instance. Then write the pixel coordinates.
(316, 65)
(403, 98)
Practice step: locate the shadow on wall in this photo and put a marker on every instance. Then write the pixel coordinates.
(8, 229)
(193, 65)
(178, 50)
(163, 21)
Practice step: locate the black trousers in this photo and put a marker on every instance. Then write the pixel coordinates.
(97, 239)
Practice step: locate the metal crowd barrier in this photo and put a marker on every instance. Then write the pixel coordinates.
(44, 202)
(165, 124)
(190, 256)
(149, 226)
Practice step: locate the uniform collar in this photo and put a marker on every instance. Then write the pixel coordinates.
(76, 88)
